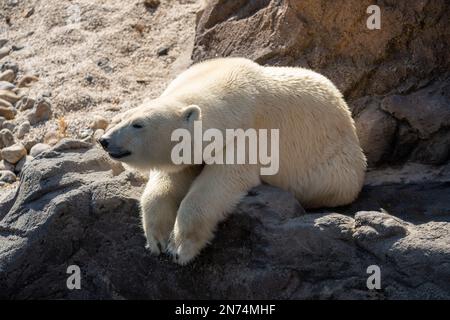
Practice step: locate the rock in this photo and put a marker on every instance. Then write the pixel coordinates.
(5, 85)
(8, 75)
(2, 120)
(98, 134)
(163, 51)
(152, 4)
(26, 81)
(4, 52)
(6, 138)
(268, 248)
(8, 65)
(7, 112)
(25, 103)
(376, 130)
(99, 122)
(363, 67)
(9, 96)
(51, 137)
(9, 125)
(41, 111)
(7, 176)
(14, 153)
(5, 165)
(38, 149)
(30, 141)
(5, 104)
(22, 164)
(3, 41)
(23, 129)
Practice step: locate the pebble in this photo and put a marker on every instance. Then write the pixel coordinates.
(25, 103)
(2, 119)
(8, 65)
(9, 125)
(152, 4)
(23, 129)
(5, 85)
(7, 112)
(25, 81)
(7, 176)
(41, 111)
(8, 75)
(14, 153)
(162, 51)
(98, 134)
(39, 148)
(9, 96)
(4, 165)
(30, 141)
(4, 52)
(99, 122)
(6, 138)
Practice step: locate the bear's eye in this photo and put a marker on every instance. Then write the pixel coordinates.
(137, 125)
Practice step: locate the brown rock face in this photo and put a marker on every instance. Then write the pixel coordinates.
(404, 67)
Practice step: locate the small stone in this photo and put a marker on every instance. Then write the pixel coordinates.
(5, 165)
(89, 79)
(86, 133)
(30, 141)
(9, 96)
(7, 112)
(23, 129)
(152, 4)
(8, 65)
(51, 138)
(6, 104)
(163, 51)
(2, 119)
(5, 85)
(26, 81)
(8, 75)
(41, 111)
(14, 153)
(7, 176)
(99, 122)
(25, 103)
(28, 13)
(98, 134)
(39, 148)
(9, 125)
(4, 52)
(22, 163)
(6, 138)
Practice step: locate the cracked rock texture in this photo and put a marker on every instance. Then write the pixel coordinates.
(75, 206)
(395, 79)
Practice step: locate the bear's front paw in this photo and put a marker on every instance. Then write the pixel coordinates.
(184, 249)
(156, 246)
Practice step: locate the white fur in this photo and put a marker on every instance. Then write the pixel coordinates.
(321, 161)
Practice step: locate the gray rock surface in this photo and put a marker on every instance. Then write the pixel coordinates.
(76, 206)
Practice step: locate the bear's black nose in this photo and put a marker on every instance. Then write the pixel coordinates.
(104, 142)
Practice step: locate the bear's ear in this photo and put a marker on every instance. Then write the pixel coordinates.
(191, 113)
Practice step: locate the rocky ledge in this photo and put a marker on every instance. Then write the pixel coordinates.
(74, 206)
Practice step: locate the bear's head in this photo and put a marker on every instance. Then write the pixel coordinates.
(141, 137)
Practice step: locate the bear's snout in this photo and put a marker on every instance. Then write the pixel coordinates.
(104, 142)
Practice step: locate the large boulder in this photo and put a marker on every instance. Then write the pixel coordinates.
(75, 206)
(402, 67)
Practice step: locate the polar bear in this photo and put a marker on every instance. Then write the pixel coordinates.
(321, 161)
